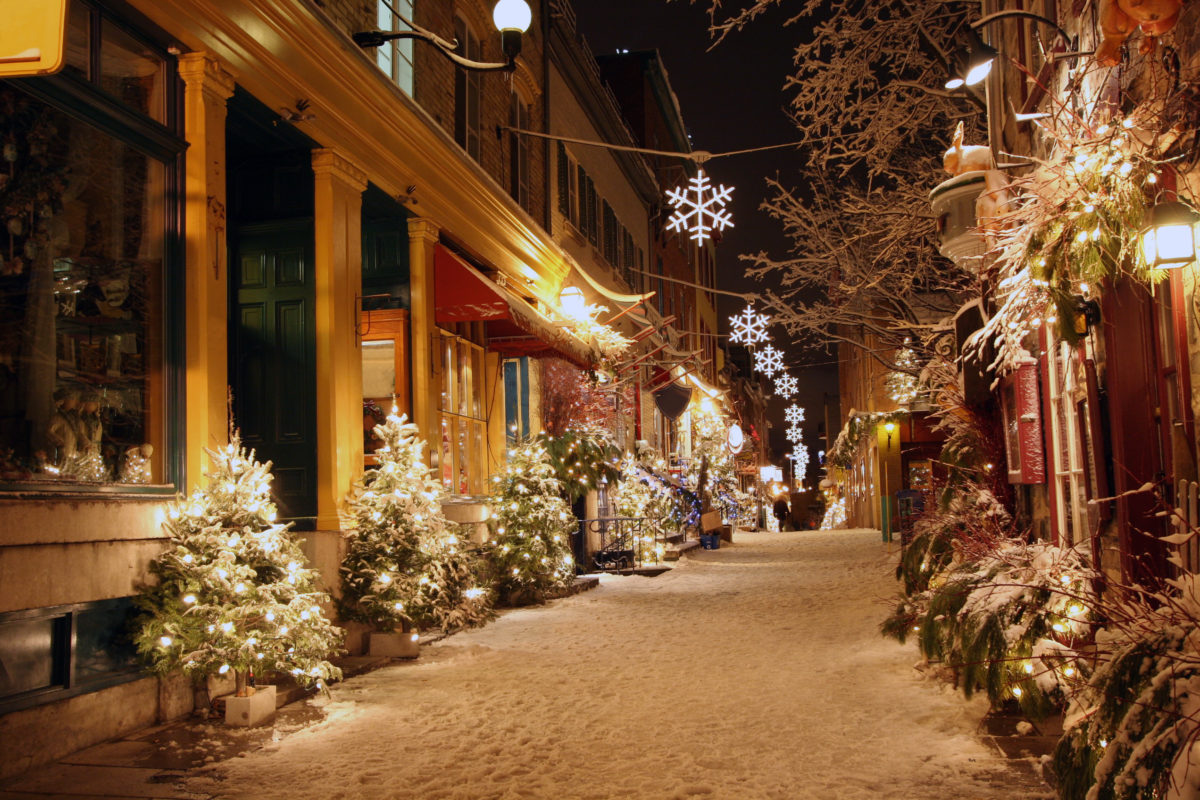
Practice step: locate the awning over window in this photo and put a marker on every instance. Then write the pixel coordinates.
(514, 326)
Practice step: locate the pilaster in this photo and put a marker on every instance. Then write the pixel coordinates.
(337, 237)
(422, 239)
(206, 88)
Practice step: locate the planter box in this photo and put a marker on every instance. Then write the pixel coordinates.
(248, 712)
(395, 644)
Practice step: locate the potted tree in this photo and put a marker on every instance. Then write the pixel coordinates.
(405, 566)
(235, 596)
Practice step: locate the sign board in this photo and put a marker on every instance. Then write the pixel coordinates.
(31, 37)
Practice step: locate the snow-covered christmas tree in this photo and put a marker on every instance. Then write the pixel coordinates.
(531, 526)
(405, 562)
(710, 434)
(642, 493)
(234, 591)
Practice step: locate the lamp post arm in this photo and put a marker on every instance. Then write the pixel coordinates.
(1012, 12)
(367, 39)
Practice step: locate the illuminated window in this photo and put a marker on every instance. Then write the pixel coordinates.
(85, 243)
(463, 417)
(395, 58)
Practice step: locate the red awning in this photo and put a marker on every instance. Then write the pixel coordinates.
(514, 326)
(460, 293)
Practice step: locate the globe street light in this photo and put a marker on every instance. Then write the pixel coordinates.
(511, 17)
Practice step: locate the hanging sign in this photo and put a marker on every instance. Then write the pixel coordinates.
(735, 439)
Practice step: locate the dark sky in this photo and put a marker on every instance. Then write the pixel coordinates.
(732, 98)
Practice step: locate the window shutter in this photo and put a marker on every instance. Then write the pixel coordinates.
(564, 182)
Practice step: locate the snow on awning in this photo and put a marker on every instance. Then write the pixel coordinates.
(514, 326)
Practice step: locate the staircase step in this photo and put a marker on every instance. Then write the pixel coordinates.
(674, 551)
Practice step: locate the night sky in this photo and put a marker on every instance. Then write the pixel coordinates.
(732, 98)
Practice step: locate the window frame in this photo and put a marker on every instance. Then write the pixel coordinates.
(83, 98)
(64, 663)
(398, 51)
(468, 91)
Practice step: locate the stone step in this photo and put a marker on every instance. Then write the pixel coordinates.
(674, 551)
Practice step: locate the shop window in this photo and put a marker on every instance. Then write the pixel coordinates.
(52, 653)
(85, 203)
(516, 399)
(463, 417)
(467, 91)
(395, 58)
(101, 52)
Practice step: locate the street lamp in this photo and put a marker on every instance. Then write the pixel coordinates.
(972, 60)
(511, 17)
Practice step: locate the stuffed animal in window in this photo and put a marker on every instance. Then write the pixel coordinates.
(1119, 18)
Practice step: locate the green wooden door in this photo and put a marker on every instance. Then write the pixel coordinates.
(273, 358)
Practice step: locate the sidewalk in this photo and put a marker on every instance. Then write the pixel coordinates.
(149, 763)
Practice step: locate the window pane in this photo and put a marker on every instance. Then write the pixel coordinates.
(379, 370)
(465, 390)
(79, 44)
(463, 485)
(81, 249)
(27, 655)
(103, 646)
(447, 455)
(131, 72)
(478, 473)
(477, 394)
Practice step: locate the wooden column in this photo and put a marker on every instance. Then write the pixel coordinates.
(337, 237)
(422, 238)
(207, 87)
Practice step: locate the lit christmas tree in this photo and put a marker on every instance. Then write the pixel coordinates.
(710, 441)
(405, 564)
(643, 494)
(234, 591)
(531, 526)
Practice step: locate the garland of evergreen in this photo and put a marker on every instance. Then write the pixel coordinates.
(1131, 731)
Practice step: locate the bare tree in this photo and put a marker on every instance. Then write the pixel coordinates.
(866, 97)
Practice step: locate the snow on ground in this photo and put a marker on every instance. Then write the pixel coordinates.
(754, 671)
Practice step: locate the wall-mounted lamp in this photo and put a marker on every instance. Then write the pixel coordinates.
(511, 17)
(573, 303)
(972, 58)
(1169, 236)
(890, 427)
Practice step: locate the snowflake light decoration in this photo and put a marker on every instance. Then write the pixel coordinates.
(697, 216)
(794, 414)
(768, 361)
(794, 434)
(748, 327)
(800, 459)
(786, 385)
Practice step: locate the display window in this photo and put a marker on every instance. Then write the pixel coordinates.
(86, 203)
(463, 419)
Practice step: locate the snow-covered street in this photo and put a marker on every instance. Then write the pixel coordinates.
(754, 671)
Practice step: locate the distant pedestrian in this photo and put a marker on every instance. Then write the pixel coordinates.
(781, 511)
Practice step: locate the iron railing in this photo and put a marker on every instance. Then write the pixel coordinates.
(624, 543)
